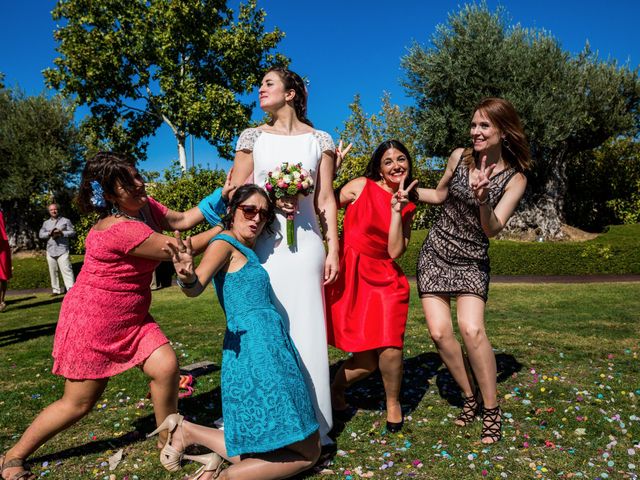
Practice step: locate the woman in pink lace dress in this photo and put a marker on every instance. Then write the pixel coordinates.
(105, 327)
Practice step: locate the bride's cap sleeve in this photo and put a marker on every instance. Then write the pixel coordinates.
(325, 141)
(247, 139)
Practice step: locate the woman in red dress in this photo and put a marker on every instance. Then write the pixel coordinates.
(5, 262)
(367, 306)
(104, 326)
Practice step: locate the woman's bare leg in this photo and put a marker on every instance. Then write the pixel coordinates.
(357, 367)
(78, 399)
(478, 347)
(438, 314)
(281, 463)
(391, 369)
(3, 290)
(162, 367)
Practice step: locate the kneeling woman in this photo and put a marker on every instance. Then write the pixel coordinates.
(270, 430)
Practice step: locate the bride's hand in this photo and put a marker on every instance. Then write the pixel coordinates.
(288, 205)
(331, 268)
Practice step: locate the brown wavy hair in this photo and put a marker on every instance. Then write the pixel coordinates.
(293, 81)
(108, 169)
(515, 148)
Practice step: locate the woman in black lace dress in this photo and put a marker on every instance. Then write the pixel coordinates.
(479, 190)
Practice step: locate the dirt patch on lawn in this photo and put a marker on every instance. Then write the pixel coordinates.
(571, 234)
(576, 235)
(29, 254)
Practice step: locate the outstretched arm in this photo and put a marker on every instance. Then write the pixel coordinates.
(212, 206)
(436, 196)
(152, 247)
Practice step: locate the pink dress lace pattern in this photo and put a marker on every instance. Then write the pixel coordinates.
(105, 327)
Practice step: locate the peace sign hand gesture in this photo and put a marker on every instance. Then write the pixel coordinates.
(401, 197)
(341, 154)
(479, 185)
(182, 258)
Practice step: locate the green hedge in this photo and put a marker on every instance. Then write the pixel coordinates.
(615, 252)
(33, 272)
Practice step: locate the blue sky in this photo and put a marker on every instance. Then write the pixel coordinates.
(344, 47)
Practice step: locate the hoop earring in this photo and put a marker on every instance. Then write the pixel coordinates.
(507, 145)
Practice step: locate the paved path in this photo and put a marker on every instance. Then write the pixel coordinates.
(494, 279)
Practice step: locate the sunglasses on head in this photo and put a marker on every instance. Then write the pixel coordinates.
(250, 211)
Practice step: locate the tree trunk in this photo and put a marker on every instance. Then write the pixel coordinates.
(542, 211)
(180, 138)
(21, 230)
(182, 152)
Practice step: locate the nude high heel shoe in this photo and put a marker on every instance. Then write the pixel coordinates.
(170, 457)
(211, 462)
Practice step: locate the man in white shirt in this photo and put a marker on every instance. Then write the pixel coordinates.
(57, 230)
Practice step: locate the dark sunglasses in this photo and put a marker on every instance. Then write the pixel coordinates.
(250, 211)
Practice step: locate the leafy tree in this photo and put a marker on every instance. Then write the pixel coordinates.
(569, 104)
(184, 63)
(41, 153)
(604, 185)
(366, 132)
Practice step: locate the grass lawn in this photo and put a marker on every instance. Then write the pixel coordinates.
(569, 382)
(616, 251)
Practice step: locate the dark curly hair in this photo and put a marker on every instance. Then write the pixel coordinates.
(108, 169)
(242, 194)
(293, 81)
(373, 167)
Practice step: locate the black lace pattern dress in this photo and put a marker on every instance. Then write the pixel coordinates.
(454, 258)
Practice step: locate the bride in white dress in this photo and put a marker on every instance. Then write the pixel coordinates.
(298, 273)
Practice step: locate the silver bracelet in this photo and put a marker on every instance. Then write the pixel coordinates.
(192, 284)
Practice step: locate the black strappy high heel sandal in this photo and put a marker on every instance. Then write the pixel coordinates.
(471, 408)
(491, 425)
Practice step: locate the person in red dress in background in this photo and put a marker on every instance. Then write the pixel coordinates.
(104, 326)
(367, 306)
(5, 262)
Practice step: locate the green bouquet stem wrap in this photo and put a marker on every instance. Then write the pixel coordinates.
(291, 234)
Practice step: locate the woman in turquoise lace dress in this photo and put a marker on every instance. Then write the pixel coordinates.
(270, 430)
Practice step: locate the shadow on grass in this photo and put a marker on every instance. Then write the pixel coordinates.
(49, 301)
(19, 335)
(419, 372)
(205, 408)
(13, 300)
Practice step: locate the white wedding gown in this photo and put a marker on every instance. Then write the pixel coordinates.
(296, 274)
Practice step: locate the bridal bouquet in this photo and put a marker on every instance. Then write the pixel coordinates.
(289, 180)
